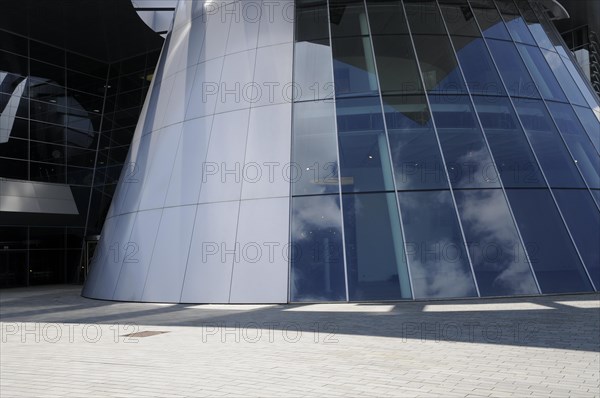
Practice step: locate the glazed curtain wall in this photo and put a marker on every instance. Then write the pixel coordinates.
(456, 155)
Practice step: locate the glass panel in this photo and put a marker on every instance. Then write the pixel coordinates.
(583, 86)
(596, 194)
(374, 250)
(466, 154)
(317, 262)
(489, 19)
(477, 65)
(499, 260)
(353, 66)
(438, 65)
(424, 17)
(396, 65)
(557, 164)
(515, 23)
(436, 253)
(313, 78)
(348, 19)
(551, 252)
(535, 27)
(10, 168)
(364, 156)
(386, 17)
(591, 124)
(414, 147)
(582, 218)
(311, 21)
(459, 18)
(515, 161)
(578, 142)
(541, 73)
(14, 148)
(564, 78)
(314, 150)
(513, 71)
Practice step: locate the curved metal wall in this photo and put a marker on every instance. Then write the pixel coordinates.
(457, 155)
(191, 221)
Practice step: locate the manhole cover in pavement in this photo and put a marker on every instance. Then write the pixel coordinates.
(146, 333)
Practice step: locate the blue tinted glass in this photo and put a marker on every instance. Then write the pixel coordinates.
(489, 20)
(564, 78)
(374, 250)
(583, 219)
(436, 253)
(558, 166)
(551, 252)
(541, 73)
(586, 157)
(439, 67)
(317, 260)
(466, 154)
(513, 71)
(353, 66)
(514, 22)
(414, 147)
(591, 123)
(477, 65)
(583, 86)
(364, 156)
(515, 161)
(499, 260)
(314, 148)
(596, 194)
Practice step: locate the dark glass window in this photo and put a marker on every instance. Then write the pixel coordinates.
(514, 159)
(466, 154)
(489, 19)
(364, 156)
(348, 19)
(582, 218)
(386, 17)
(311, 21)
(438, 65)
(16, 169)
(564, 78)
(558, 166)
(513, 71)
(478, 67)
(317, 255)
(353, 66)
(374, 250)
(314, 148)
(424, 17)
(578, 142)
(551, 252)
(396, 65)
(499, 260)
(459, 18)
(591, 123)
(414, 147)
(437, 257)
(515, 23)
(15, 148)
(541, 73)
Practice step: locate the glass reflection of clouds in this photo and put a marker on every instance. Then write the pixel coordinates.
(499, 260)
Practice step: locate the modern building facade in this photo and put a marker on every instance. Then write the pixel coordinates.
(312, 150)
(298, 151)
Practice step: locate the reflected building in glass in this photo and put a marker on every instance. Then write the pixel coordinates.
(315, 151)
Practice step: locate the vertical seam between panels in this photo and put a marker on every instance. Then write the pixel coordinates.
(464, 241)
(245, 147)
(290, 252)
(339, 169)
(483, 134)
(524, 131)
(392, 171)
(212, 121)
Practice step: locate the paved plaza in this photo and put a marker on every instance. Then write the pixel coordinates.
(56, 343)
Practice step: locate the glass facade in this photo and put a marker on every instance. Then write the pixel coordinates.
(457, 154)
(68, 120)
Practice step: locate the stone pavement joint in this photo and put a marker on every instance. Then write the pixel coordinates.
(55, 343)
